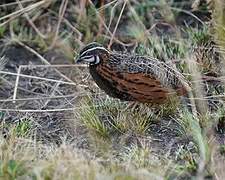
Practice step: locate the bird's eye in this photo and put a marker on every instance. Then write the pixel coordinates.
(87, 54)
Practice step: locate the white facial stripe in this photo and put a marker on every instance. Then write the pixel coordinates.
(92, 59)
(94, 48)
(89, 59)
(97, 59)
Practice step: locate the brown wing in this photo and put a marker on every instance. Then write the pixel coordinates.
(165, 73)
(141, 87)
(144, 88)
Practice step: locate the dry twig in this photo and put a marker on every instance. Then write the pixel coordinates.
(62, 10)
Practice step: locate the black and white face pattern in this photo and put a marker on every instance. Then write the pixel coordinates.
(91, 54)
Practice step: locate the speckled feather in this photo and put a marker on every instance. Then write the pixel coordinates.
(137, 78)
(132, 77)
(148, 66)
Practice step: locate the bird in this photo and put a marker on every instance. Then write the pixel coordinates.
(131, 77)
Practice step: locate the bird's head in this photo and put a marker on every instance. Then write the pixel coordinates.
(91, 54)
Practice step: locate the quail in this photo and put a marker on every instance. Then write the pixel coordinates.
(132, 77)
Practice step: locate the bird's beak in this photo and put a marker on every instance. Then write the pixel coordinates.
(78, 60)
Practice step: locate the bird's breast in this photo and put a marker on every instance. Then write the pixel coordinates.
(106, 81)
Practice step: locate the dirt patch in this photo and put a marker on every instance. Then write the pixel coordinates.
(39, 94)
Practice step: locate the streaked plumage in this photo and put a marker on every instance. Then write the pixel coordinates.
(132, 78)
